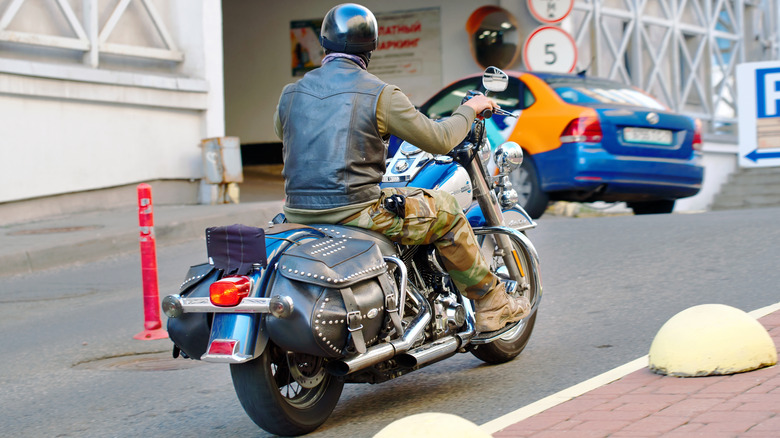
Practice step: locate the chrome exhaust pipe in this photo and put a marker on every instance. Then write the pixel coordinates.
(383, 352)
(441, 349)
(374, 355)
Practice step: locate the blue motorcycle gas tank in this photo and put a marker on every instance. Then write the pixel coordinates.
(411, 167)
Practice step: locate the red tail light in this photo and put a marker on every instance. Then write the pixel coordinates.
(222, 347)
(229, 291)
(582, 130)
(697, 143)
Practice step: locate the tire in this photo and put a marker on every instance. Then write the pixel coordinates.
(526, 182)
(503, 350)
(281, 402)
(653, 207)
(514, 342)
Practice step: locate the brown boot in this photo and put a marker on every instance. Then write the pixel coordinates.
(497, 309)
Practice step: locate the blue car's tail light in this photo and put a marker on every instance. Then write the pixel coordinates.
(582, 130)
(697, 142)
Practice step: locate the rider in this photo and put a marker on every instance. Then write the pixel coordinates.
(334, 123)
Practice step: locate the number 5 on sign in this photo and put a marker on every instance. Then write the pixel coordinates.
(550, 48)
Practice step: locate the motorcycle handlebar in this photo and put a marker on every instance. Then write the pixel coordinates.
(488, 113)
(485, 114)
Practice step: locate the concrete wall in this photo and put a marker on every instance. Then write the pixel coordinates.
(719, 160)
(71, 126)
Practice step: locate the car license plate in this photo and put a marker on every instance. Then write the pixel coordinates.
(645, 135)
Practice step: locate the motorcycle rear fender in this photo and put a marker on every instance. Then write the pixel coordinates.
(242, 333)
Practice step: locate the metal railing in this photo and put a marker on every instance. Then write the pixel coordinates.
(684, 52)
(86, 35)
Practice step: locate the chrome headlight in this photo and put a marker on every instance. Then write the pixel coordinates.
(508, 156)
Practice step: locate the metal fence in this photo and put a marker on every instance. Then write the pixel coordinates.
(684, 52)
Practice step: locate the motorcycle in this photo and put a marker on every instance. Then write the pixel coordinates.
(298, 311)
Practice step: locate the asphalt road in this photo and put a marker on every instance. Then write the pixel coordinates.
(69, 365)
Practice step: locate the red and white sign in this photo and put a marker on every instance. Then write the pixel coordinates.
(550, 11)
(550, 49)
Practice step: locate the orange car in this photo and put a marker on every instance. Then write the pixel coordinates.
(588, 139)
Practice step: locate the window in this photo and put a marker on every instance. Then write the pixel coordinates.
(528, 97)
(610, 93)
(515, 97)
(447, 100)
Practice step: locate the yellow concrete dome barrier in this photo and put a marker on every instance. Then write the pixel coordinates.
(432, 425)
(711, 339)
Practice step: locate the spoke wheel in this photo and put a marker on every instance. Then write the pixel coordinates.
(286, 393)
(514, 341)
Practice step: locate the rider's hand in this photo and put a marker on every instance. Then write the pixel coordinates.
(480, 103)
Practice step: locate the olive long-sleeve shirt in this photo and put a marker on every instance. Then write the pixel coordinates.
(395, 115)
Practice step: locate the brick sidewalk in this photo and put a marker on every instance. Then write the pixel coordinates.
(644, 404)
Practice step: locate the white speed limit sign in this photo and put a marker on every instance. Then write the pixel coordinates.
(550, 48)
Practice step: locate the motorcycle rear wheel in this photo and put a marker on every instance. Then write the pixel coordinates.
(514, 342)
(286, 393)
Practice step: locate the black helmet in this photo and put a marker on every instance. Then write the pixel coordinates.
(349, 28)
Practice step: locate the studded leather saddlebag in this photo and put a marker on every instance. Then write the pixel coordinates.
(190, 331)
(340, 289)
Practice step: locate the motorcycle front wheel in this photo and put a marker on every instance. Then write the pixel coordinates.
(286, 393)
(515, 340)
(508, 347)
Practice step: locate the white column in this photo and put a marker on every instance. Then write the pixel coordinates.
(213, 68)
(91, 25)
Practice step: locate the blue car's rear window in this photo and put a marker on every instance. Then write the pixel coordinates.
(604, 93)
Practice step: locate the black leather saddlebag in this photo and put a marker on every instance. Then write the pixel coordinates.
(233, 250)
(338, 287)
(190, 331)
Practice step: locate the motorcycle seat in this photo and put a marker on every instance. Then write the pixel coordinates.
(386, 246)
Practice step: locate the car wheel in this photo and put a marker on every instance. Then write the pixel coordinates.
(530, 196)
(652, 207)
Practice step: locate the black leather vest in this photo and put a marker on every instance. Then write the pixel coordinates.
(333, 153)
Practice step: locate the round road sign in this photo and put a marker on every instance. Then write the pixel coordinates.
(550, 48)
(550, 11)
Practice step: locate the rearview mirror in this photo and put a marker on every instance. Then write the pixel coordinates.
(495, 80)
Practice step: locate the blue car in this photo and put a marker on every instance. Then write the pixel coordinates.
(588, 139)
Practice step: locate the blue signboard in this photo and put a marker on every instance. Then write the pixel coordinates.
(768, 92)
(759, 114)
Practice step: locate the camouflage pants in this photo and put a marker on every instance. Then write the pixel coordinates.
(433, 217)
